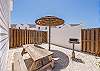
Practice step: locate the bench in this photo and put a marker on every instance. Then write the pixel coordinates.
(19, 64)
(42, 58)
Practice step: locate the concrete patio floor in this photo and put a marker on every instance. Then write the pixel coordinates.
(83, 62)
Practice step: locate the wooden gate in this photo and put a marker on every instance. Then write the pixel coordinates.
(90, 40)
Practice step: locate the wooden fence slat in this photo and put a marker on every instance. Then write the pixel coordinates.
(33, 37)
(15, 38)
(96, 41)
(82, 40)
(92, 41)
(19, 37)
(99, 43)
(10, 39)
(36, 37)
(12, 45)
(40, 37)
(30, 37)
(23, 36)
(27, 37)
(88, 40)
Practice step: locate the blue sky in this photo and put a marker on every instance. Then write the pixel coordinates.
(72, 11)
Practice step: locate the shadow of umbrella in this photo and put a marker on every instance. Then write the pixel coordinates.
(62, 62)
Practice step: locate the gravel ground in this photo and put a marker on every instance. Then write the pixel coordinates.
(83, 62)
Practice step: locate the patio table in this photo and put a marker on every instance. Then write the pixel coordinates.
(41, 57)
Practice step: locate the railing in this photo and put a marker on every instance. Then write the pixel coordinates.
(19, 37)
(90, 40)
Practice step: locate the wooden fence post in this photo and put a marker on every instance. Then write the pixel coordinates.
(92, 41)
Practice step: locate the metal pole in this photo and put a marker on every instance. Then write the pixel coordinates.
(73, 47)
(73, 53)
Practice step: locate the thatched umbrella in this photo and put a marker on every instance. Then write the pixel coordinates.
(49, 21)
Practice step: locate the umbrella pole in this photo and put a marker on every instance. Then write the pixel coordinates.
(49, 36)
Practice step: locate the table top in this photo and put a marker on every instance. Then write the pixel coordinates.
(37, 53)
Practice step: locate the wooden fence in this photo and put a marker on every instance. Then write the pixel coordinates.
(90, 41)
(19, 37)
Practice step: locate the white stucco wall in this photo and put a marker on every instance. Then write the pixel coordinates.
(22, 26)
(25, 26)
(42, 28)
(60, 36)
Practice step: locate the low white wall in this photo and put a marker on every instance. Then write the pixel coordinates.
(60, 36)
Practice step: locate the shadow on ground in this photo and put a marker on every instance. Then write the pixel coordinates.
(78, 60)
(62, 62)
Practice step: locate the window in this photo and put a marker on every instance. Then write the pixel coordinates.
(59, 27)
(39, 28)
(45, 28)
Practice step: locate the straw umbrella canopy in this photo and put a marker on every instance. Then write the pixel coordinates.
(49, 21)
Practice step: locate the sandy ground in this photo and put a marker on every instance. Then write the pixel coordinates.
(10, 57)
(83, 62)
